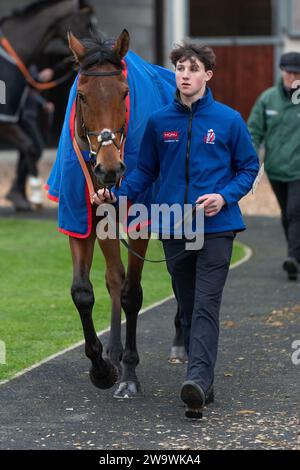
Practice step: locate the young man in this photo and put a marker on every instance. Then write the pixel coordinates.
(274, 121)
(210, 158)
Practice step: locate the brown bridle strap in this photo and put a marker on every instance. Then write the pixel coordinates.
(85, 170)
(122, 150)
(23, 69)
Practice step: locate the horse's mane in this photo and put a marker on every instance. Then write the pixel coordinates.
(99, 51)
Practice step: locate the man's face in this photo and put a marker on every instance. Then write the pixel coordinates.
(191, 77)
(289, 78)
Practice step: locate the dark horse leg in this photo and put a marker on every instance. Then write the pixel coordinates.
(114, 276)
(103, 373)
(16, 135)
(132, 299)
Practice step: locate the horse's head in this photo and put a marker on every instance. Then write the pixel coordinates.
(101, 106)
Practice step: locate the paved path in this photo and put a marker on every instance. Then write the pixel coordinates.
(257, 385)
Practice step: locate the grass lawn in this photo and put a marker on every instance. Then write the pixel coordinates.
(37, 315)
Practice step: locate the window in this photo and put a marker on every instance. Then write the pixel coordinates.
(221, 18)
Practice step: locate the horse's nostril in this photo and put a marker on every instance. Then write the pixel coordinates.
(109, 177)
(98, 171)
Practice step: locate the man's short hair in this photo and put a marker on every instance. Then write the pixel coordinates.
(185, 51)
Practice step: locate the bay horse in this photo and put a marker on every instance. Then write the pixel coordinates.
(30, 30)
(100, 115)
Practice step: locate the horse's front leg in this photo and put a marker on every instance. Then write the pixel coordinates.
(131, 300)
(102, 373)
(114, 276)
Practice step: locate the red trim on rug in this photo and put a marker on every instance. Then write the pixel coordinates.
(53, 198)
(127, 101)
(49, 196)
(72, 119)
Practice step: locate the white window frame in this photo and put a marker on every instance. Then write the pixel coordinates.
(293, 30)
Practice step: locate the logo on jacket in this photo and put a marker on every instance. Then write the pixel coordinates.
(210, 137)
(171, 136)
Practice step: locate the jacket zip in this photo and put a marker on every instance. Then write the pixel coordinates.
(187, 159)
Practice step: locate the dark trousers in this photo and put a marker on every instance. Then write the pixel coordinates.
(288, 197)
(30, 126)
(198, 279)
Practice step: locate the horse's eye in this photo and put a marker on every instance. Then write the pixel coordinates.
(81, 97)
(126, 94)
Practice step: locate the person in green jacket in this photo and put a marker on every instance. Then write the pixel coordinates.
(275, 122)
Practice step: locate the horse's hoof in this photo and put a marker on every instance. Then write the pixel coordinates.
(106, 381)
(178, 355)
(128, 389)
(193, 413)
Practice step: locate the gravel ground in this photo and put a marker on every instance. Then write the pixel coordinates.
(257, 385)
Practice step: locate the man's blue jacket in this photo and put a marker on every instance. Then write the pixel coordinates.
(205, 149)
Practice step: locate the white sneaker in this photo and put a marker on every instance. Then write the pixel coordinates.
(35, 187)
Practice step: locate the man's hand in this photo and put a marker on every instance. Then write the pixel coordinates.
(49, 107)
(46, 75)
(104, 196)
(213, 203)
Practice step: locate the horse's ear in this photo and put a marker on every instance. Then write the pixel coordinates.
(76, 47)
(122, 44)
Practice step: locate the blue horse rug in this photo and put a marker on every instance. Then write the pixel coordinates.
(151, 87)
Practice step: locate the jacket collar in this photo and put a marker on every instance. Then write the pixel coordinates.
(285, 92)
(206, 100)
